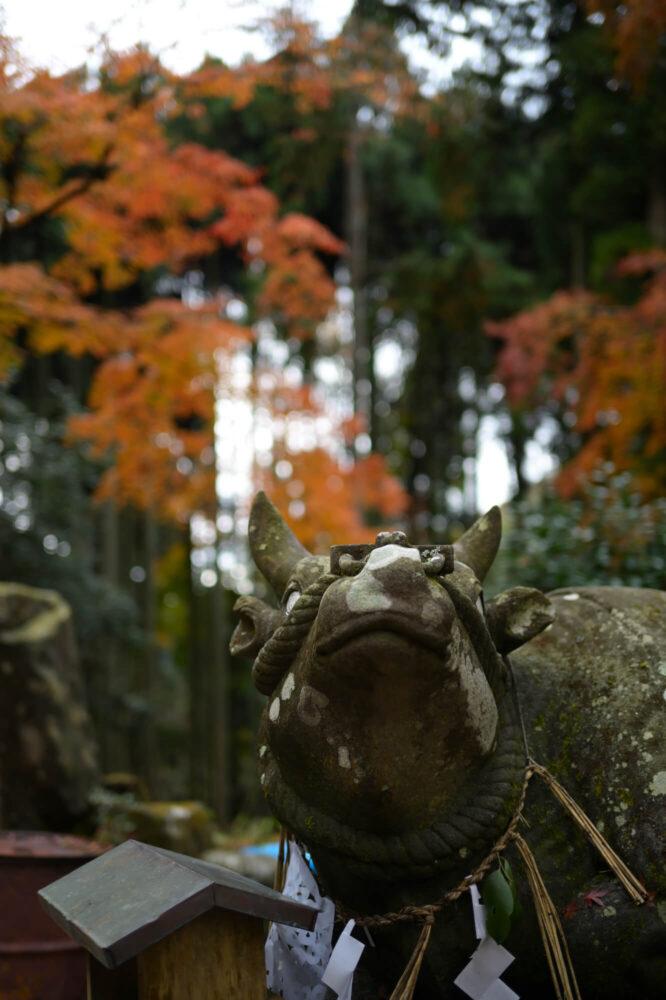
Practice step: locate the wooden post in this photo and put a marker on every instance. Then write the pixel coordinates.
(218, 956)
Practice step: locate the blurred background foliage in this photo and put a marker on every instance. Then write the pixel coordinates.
(609, 535)
(323, 275)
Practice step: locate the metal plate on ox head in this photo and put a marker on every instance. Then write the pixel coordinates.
(358, 553)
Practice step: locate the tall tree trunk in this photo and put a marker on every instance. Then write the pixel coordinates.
(107, 687)
(219, 717)
(517, 441)
(578, 271)
(357, 241)
(151, 661)
(198, 714)
(656, 213)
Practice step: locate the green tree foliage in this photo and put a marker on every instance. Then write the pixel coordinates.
(48, 535)
(608, 536)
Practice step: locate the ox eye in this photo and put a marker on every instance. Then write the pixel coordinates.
(292, 597)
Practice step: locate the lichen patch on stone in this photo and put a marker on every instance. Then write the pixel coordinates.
(367, 594)
(310, 705)
(288, 687)
(481, 708)
(658, 783)
(430, 613)
(390, 553)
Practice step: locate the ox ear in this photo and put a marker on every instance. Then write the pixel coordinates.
(478, 547)
(516, 616)
(274, 547)
(257, 623)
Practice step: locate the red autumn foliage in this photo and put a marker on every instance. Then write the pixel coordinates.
(94, 160)
(636, 30)
(594, 897)
(603, 363)
(326, 497)
(364, 62)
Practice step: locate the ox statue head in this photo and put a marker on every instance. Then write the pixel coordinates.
(387, 692)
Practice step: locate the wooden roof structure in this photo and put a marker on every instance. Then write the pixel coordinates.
(135, 895)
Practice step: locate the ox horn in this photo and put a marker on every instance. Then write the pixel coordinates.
(478, 547)
(274, 547)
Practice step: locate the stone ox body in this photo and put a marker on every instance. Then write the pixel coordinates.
(391, 746)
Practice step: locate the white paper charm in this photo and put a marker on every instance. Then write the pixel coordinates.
(500, 991)
(480, 979)
(339, 972)
(295, 958)
(486, 966)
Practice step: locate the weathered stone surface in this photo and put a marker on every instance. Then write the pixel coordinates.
(593, 687)
(391, 746)
(48, 757)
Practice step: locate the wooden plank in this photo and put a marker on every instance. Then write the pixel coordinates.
(218, 956)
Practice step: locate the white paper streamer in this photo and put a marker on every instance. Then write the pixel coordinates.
(478, 912)
(339, 972)
(295, 958)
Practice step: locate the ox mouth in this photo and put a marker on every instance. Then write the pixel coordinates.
(365, 625)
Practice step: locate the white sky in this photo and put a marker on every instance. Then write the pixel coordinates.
(59, 34)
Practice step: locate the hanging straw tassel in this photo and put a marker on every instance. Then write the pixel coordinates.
(637, 892)
(283, 855)
(406, 985)
(554, 942)
(281, 868)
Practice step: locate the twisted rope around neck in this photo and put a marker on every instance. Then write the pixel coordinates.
(277, 655)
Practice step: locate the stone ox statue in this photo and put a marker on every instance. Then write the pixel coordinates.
(391, 746)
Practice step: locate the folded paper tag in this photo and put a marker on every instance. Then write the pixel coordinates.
(483, 971)
(344, 959)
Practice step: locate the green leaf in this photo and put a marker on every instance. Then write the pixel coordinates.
(497, 894)
(498, 925)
